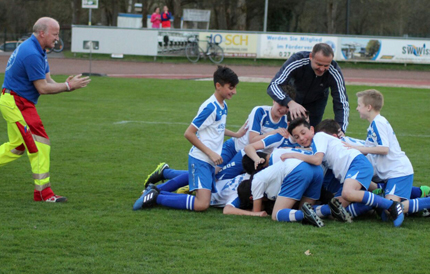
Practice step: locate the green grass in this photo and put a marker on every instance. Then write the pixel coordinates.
(100, 165)
(247, 61)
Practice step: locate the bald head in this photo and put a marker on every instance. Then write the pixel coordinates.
(44, 24)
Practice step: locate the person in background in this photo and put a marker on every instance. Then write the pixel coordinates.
(165, 18)
(156, 18)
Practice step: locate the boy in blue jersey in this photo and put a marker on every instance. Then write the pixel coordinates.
(349, 166)
(383, 150)
(206, 134)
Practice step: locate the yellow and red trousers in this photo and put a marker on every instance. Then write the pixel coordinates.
(26, 132)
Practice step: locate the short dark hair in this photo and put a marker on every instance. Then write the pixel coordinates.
(244, 192)
(248, 163)
(224, 75)
(297, 122)
(328, 126)
(324, 48)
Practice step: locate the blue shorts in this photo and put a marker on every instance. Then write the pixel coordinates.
(201, 175)
(228, 152)
(303, 181)
(361, 170)
(400, 186)
(330, 183)
(232, 168)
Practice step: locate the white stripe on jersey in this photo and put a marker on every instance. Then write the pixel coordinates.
(342, 93)
(284, 75)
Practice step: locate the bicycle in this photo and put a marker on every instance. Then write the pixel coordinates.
(193, 51)
(59, 44)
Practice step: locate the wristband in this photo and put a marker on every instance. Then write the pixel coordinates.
(67, 85)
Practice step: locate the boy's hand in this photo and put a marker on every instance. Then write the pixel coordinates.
(259, 161)
(283, 131)
(217, 159)
(242, 130)
(349, 146)
(261, 214)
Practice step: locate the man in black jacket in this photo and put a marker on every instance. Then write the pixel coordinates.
(312, 74)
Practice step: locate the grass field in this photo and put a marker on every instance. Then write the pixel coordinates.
(106, 138)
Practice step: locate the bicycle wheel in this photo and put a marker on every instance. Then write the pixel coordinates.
(59, 45)
(216, 54)
(192, 52)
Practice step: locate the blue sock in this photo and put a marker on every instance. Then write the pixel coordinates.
(322, 210)
(416, 205)
(169, 173)
(178, 201)
(373, 200)
(416, 192)
(175, 183)
(356, 209)
(289, 215)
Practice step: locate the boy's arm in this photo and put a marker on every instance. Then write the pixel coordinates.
(381, 150)
(254, 136)
(231, 210)
(191, 136)
(242, 131)
(315, 159)
(257, 205)
(251, 151)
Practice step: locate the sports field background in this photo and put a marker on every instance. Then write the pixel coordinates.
(107, 137)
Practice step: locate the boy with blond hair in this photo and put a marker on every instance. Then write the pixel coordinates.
(383, 150)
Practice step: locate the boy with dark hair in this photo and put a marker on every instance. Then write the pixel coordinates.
(206, 134)
(349, 166)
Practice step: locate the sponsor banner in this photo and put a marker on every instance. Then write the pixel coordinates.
(283, 46)
(385, 50)
(233, 44)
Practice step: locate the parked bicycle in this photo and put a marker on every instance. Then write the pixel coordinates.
(193, 51)
(59, 44)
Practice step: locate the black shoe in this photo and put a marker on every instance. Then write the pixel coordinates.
(338, 211)
(310, 217)
(156, 175)
(148, 198)
(396, 213)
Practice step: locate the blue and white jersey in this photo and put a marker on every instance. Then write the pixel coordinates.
(227, 192)
(278, 141)
(261, 122)
(353, 141)
(395, 163)
(267, 182)
(277, 153)
(337, 157)
(210, 123)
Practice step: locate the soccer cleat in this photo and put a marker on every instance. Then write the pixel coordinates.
(156, 175)
(378, 191)
(310, 217)
(426, 212)
(185, 190)
(148, 198)
(425, 190)
(56, 199)
(396, 213)
(338, 211)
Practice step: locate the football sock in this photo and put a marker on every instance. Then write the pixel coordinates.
(169, 173)
(175, 183)
(289, 215)
(178, 201)
(416, 192)
(373, 200)
(357, 209)
(322, 210)
(416, 205)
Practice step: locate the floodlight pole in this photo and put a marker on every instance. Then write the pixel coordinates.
(266, 7)
(347, 16)
(89, 17)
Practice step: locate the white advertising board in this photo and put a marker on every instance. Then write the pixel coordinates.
(115, 40)
(385, 50)
(275, 46)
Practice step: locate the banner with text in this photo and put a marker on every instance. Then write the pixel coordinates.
(283, 46)
(233, 44)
